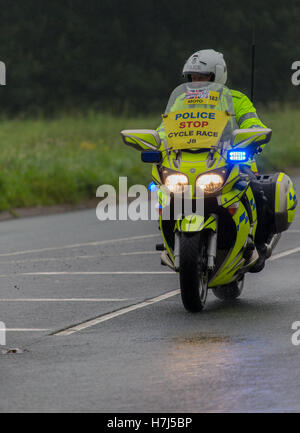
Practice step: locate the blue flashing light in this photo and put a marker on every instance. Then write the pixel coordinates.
(237, 155)
(152, 187)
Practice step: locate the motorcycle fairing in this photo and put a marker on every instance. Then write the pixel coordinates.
(195, 223)
(226, 271)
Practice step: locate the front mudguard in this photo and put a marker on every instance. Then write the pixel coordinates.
(191, 225)
(195, 223)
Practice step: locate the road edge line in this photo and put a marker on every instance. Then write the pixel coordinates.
(103, 318)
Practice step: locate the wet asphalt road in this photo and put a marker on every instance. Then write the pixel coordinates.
(158, 358)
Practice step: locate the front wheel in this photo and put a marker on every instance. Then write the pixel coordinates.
(193, 273)
(230, 291)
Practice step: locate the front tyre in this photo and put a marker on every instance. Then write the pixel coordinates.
(230, 291)
(193, 273)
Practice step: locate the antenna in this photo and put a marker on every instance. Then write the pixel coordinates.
(253, 63)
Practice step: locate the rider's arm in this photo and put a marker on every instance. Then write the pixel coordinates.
(245, 112)
(246, 116)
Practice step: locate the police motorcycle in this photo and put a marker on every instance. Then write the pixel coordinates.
(204, 159)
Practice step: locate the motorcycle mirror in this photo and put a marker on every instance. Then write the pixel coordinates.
(255, 136)
(141, 139)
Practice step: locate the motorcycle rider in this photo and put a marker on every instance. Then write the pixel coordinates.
(209, 65)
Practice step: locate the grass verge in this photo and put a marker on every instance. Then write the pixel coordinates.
(46, 162)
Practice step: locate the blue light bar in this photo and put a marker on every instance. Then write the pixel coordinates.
(152, 187)
(237, 155)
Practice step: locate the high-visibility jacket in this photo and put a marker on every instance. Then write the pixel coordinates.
(245, 112)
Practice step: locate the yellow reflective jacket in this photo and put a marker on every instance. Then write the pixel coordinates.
(245, 112)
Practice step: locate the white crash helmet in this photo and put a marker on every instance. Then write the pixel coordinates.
(206, 62)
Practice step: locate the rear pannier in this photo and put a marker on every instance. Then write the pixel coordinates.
(282, 198)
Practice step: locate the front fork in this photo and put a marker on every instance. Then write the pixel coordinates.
(195, 224)
(177, 251)
(212, 246)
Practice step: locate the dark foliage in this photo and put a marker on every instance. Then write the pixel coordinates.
(117, 54)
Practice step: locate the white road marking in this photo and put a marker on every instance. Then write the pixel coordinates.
(285, 253)
(27, 329)
(32, 274)
(86, 244)
(100, 319)
(65, 300)
(94, 256)
(104, 318)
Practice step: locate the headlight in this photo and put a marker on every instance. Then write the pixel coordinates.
(209, 182)
(176, 182)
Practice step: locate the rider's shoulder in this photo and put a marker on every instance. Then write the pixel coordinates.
(237, 94)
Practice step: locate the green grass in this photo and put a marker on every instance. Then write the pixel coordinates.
(283, 151)
(45, 162)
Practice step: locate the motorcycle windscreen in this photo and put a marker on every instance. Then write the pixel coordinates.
(199, 115)
(198, 128)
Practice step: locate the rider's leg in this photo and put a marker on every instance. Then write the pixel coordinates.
(264, 213)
